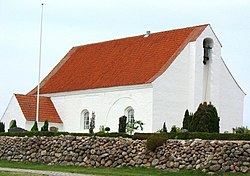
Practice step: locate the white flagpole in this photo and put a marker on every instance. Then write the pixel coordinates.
(39, 67)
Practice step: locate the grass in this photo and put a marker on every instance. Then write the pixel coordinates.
(125, 171)
(3, 173)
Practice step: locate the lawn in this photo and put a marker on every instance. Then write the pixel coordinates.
(2, 173)
(105, 171)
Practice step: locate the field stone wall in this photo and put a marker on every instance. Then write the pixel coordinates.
(210, 156)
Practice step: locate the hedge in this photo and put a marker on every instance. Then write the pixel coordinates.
(140, 136)
(48, 133)
(195, 135)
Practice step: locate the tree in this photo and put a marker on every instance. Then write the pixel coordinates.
(92, 123)
(45, 126)
(35, 127)
(122, 124)
(186, 120)
(12, 124)
(134, 125)
(2, 127)
(164, 128)
(173, 129)
(205, 119)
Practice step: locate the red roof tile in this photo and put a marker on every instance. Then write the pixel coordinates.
(47, 110)
(127, 61)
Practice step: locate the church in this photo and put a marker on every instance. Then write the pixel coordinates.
(153, 77)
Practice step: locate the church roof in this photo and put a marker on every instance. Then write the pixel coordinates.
(127, 61)
(47, 110)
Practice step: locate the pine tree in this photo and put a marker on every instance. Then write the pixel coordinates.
(186, 121)
(92, 123)
(164, 129)
(45, 126)
(2, 127)
(122, 124)
(12, 124)
(35, 127)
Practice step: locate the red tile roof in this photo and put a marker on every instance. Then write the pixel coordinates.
(127, 61)
(47, 110)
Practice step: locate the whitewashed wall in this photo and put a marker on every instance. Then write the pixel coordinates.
(13, 112)
(231, 101)
(172, 92)
(182, 86)
(108, 104)
(223, 91)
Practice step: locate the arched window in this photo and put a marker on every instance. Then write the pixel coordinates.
(207, 45)
(130, 113)
(85, 117)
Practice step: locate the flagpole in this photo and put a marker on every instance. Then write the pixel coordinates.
(39, 66)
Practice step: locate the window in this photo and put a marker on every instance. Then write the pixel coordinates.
(129, 112)
(85, 116)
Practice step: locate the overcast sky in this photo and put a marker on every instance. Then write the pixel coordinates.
(68, 23)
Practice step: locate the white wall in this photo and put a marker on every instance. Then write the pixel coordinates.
(182, 86)
(172, 91)
(223, 91)
(231, 101)
(13, 112)
(108, 104)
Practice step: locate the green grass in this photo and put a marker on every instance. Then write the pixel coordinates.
(3, 173)
(109, 171)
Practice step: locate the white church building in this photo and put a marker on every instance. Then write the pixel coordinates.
(153, 78)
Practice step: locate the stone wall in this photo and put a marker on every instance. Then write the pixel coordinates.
(116, 152)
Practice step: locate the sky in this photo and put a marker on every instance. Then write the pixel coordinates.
(68, 23)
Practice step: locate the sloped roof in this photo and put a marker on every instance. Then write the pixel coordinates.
(127, 61)
(47, 110)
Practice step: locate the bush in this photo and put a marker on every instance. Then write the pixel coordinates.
(173, 129)
(186, 121)
(35, 127)
(2, 127)
(205, 119)
(122, 124)
(195, 135)
(45, 126)
(155, 141)
(17, 129)
(240, 130)
(92, 123)
(107, 129)
(12, 124)
(164, 128)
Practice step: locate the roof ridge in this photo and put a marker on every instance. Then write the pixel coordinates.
(112, 40)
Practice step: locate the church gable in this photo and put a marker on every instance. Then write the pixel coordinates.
(129, 61)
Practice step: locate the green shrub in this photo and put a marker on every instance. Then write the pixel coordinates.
(186, 121)
(2, 127)
(164, 128)
(205, 119)
(35, 127)
(107, 129)
(122, 124)
(12, 124)
(155, 141)
(92, 123)
(45, 126)
(195, 135)
(173, 129)
(240, 130)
